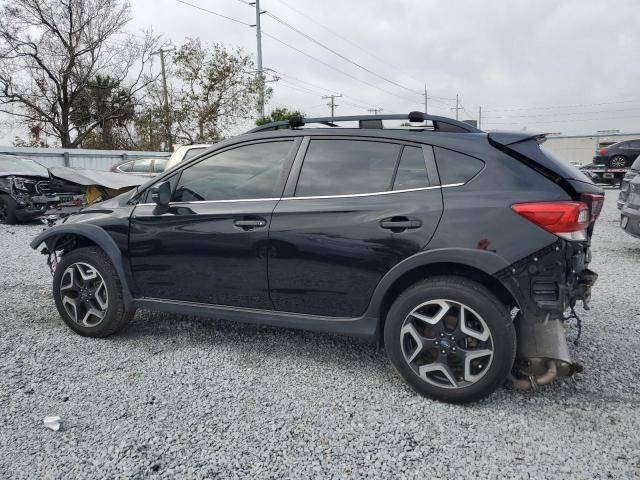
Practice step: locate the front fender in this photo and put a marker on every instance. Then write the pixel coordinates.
(95, 234)
(485, 261)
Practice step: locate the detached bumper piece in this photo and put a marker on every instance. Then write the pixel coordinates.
(542, 353)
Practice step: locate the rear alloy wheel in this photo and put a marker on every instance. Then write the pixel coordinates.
(446, 343)
(88, 293)
(617, 162)
(451, 339)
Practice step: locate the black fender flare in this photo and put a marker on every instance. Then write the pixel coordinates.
(487, 262)
(98, 236)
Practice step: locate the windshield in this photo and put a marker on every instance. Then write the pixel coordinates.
(21, 165)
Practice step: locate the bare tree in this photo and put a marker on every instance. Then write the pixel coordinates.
(52, 50)
(217, 88)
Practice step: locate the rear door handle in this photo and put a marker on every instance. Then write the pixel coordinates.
(400, 223)
(248, 224)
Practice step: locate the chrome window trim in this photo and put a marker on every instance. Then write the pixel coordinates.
(319, 197)
(274, 199)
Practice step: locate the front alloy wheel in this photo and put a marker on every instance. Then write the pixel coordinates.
(84, 294)
(88, 293)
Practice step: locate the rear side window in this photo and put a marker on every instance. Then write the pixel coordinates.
(345, 167)
(412, 170)
(454, 167)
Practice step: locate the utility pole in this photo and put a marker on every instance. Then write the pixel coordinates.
(480, 117)
(259, 46)
(375, 111)
(457, 108)
(426, 100)
(165, 94)
(332, 103)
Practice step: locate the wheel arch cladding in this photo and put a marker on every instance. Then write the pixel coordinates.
(428, 265)
(86, 235)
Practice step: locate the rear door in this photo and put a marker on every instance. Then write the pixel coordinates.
(209, 245)
(353, 208)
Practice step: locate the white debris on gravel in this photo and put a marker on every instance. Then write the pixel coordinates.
(53, 423)
(176, 396)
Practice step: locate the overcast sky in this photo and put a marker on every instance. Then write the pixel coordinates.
(570, 66)
(567, 66)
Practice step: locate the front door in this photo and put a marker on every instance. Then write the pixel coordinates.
(359, 208)
(209, 245)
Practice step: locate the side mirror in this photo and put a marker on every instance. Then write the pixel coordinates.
(161, 194)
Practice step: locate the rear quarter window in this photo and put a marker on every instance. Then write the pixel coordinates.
(454, 167)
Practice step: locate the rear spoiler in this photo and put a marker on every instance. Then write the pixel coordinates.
(525, 147)
(511, 138)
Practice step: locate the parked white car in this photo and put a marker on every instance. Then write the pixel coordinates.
(185, 152)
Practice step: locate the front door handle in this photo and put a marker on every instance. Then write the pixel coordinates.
(250, 223)
(398, 224)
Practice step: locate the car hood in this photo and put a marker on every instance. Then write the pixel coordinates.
(81, 176)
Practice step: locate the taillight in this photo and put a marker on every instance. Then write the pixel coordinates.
(568, 220)
(602, 151)
(595, 201)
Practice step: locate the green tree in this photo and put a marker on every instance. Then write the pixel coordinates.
(104, 102)
(216, 89)
(279, 114)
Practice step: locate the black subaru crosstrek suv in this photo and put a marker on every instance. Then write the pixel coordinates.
(457, 250)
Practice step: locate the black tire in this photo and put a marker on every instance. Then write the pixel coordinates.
(8, 210)
(115, 315)
(473, 296)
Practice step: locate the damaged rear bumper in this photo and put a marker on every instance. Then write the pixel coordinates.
(551, 280)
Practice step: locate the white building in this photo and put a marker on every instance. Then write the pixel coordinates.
(582, 148)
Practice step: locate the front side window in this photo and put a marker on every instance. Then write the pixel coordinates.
(246, 172)
(346, 167)
(412, 170)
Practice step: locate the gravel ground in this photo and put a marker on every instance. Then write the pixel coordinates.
(177, 396)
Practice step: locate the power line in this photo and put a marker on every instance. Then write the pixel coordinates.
(214, 13)
(290, 78)
(344, 57)
(565, 120)
(332, 67)
(547, 107)
(555, 114)
(336, 34)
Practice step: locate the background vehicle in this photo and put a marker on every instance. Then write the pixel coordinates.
(142, 166)
(25, 192)
(425, 238)
(630, 214)
(612, 162)
(184, 153)
(626, 180)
